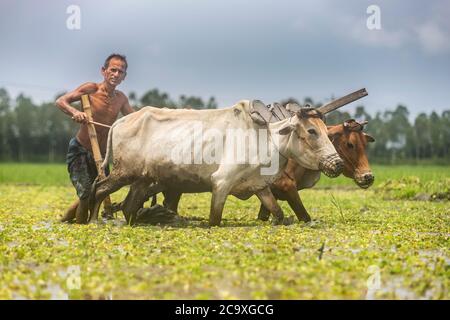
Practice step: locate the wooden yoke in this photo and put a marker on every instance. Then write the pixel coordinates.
(336, 104)
(95, 147)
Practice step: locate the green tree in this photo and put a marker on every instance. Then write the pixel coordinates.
(212, 103)
(157, 99)
(361, 114)
(376, 127)
(27, 125)
(132, 98)
(5, 124)
(56, 129)
(422, 137)
(337, 117)
(399, 130)
(445, 127)
(436, 135)
(191, 102)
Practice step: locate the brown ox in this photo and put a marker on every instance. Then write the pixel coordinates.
(349, 141)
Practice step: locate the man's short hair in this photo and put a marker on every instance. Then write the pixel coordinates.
(115, 56)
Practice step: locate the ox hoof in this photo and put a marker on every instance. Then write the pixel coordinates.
(96, 221)
(263, 217)
(305, 219)
(285, 222)
(212, 225)
(108, 215)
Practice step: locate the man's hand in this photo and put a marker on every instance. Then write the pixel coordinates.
(65, 100)
(80, 117)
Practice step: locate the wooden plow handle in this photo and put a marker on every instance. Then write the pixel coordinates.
(95, 147)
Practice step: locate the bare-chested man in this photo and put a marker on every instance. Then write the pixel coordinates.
(106, 103)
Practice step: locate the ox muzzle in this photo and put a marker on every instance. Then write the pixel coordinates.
(365, 180)
(331, 165)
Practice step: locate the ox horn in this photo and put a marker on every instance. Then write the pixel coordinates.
(354, 125)
(336, 104)
(348, 123)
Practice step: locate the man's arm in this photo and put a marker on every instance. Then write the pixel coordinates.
(126, 108)
(65, 100)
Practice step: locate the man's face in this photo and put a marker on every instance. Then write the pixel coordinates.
(115, 72)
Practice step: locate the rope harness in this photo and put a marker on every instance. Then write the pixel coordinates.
(307, 112)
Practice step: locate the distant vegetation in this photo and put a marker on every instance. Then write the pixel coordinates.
(31, 132)
(47, 174)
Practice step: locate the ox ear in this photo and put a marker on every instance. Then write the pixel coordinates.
(334, 135)
(369, 138)
(286, 129)
(333, 132)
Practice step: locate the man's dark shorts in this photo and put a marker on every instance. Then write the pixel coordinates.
(82, 168)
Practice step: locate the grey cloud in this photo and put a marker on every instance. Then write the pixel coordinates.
(234, 50)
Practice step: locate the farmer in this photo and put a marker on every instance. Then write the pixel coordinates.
(106, 103)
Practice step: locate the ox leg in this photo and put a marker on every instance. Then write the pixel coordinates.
(263, 213)
(268, 200)
(82, 213)
(217, 203)
(134, 201)
(71, 212)
(220, 192)
(222, 182)
(154, 201)
(296, 204)
(151, 190)
(171, 200)
(104, 188)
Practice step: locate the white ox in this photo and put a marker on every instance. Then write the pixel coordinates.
(144, 148)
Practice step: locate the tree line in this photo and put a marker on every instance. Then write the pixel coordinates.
(41, 132)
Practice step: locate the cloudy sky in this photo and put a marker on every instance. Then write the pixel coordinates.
(235, 50)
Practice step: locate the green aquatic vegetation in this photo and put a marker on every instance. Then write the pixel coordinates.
(405, 243)
(413, 188)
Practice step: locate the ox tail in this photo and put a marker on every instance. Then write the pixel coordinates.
(108, 148)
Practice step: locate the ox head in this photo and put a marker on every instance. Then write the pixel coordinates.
(309, 145)
(350, 142)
